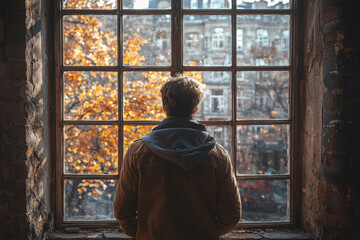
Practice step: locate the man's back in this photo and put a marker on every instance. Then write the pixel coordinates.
(176, 182)
(171, 202)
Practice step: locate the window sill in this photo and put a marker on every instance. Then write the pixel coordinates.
(237, 234)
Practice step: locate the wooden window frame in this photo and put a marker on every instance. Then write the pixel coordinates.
(177, 13)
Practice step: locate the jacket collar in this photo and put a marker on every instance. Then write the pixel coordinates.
(180, 122)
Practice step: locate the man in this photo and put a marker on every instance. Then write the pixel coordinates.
(177, 183)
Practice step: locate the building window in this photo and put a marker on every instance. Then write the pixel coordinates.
(192, 42)
(262, 37)
(164, 4)
(217, 101)
(218, 38)
(162, 40)
(194, 4)
(111, 60)
(239, 38)
(285, 39)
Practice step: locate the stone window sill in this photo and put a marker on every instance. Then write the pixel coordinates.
(237, 234)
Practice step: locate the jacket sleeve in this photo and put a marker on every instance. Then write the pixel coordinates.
(228, 209)
(125, 201)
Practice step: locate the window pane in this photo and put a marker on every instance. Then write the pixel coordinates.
(90, 40)
(147, 4)
(147, 40)
(217, 102)
(131, 133)
(207, 40)
(262, 95)
(91, 149)
(90, 4)
(90, 96)
(89, 199)
(264, 200)
(222, 135)
(207, 4)
(263, 4)
(142, 98)
(263, 38)
(262, 149)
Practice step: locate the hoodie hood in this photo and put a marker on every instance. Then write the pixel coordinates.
(180, 140)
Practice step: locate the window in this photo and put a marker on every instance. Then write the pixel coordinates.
(239, 38)
(192, 41)
(217, 103)
(218, 38)
(285, 39)
(162, 40)
(194, 3)
(262, 37)
(110, 63)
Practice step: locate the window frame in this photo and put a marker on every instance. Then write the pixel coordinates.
(177, 13)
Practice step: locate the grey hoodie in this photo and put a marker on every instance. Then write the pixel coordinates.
(181, 140)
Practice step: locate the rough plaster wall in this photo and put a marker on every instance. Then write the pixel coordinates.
(37, 137)
(330, 119)
(311, 90)
(12, 120)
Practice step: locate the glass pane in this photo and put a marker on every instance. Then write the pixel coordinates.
(90, 4)
(265, 40)
(263, 4)
(90, 96)
(131, 133)
(217, 102)
(147, 40)
(142, 98)
(264, 200)
(207, 4)
(262, 95)
(262, 149)
(91, 149)
(147, 4)
(90, 40)
(222, 135)
(89, 199)
(207, 40)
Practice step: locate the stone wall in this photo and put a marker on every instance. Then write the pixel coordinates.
(330, 130)
(311, 91)
(38, 161)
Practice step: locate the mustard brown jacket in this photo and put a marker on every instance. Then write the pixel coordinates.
(177, 183)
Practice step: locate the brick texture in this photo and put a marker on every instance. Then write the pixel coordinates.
(330, 119)
(13, 223)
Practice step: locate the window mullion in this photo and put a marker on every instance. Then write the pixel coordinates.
(233, 85)
(176, 36)
(264, 177)
(120, 85)
(89, 12)
(91, 176)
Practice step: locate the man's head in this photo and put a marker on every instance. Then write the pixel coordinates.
(181, 95)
